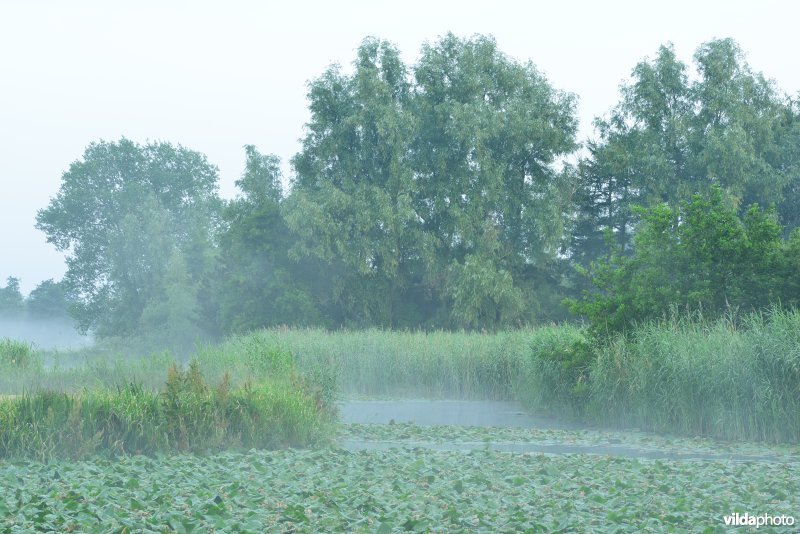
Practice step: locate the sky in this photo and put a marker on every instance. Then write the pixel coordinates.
(215, 76)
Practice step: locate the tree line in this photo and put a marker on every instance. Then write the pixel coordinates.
(49, 300)
(437, 195)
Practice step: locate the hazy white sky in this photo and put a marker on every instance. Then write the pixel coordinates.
(214, 76)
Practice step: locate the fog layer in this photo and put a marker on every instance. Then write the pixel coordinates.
(55, 333)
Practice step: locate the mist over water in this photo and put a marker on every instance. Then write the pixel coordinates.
(485, 413)
(48, 334)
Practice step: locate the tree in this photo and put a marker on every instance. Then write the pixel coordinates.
(171, 316)
(738, 127)
(121, 214)
(429, 197)
(700, 255)
(49, 299)
(670, 137)
(352, 200)
(638, 158)
(490, 130)
(257, 285)
(11, 301)
(789, 156)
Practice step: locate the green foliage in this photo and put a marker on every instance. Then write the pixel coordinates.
(436, 195)
(11, 301)
(789, 155)
(16, 355)
(489, 130)
(726, 379)
(258, 356)
(427, 199)
(483, 295)
(121, 214)
(352, 201)
(672, 136)
(734, 378)
(405, 488)
(554, 374)
(49, 299)
(700, 256)
(170, 320)
(256, 284)
(261, 181)
(189, 415)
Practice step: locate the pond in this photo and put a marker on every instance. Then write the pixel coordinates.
(445, 412)
(505, 426)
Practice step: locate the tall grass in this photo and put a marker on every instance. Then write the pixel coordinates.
(18, 356)
(344, 363)
(91, 373)
(188, 415)
(736, 378)
(402, 364)
(243, 358)
(729, 379)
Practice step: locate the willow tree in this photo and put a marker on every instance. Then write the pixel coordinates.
(352, 198)
(490, 130)
(432, 193)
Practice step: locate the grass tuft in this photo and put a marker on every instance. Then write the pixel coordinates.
(17, 355)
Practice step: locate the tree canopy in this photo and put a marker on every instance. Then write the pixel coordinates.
(438, 195)
(433, 198)
(11, 299)
(122, 214)
(672, 136)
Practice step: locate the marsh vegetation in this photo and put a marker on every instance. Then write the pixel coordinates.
(151, 444)
(436, 245)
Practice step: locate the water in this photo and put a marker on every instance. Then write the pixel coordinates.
(494, 414)
(446, 412)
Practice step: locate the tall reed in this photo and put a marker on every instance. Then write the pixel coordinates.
(730, 379)
(420, 364)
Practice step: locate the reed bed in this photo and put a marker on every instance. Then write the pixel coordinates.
(238, 395)
(731, 379)
(737, 378)
(382, 363)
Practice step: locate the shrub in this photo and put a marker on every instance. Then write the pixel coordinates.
(554, 376)
(698, 256)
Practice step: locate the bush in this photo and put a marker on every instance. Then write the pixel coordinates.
(698, 256)
(553, 378)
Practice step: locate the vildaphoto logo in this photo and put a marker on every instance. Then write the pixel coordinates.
(762, 520)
